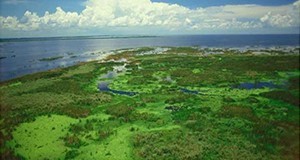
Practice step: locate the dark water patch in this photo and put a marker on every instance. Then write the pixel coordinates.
(103, 87)
(255, 85)
(123, 92)
(184, 90)
(3, 57)
(51, 58)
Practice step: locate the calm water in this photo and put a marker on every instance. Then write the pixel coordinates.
(22, 56)
(103, 87)
(256, 85)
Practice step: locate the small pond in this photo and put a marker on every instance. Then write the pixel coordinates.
(103, 87)
(255, 85)
(184, 90)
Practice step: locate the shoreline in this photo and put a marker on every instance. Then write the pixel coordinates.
(100, 55)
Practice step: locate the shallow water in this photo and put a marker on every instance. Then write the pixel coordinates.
(255, 85)
(184, 90)
(22, 55)
(103, 87)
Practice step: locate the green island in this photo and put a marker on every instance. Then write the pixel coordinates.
(179, 103)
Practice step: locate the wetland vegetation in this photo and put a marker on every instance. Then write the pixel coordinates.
(187, 104)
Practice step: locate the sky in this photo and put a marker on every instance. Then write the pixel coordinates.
(44, 18)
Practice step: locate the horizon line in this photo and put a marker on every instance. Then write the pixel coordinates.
(142, 35)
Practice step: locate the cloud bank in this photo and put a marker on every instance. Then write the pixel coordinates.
(146, 15)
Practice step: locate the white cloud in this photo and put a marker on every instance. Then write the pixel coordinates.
(244, 11)
(278, 20)
(297, 4)
(60, 19)
(144, 13)
(287, 18)
(9, 23)
(130, 13)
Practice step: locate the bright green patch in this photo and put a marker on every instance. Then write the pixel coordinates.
(196, 71)
(80, 70)
(41, 139)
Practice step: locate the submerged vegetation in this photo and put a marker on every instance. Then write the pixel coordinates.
(187, 105)
(51, 58)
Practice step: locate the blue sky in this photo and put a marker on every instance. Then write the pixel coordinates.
(19, 7)
(22, 18)
(207, 3)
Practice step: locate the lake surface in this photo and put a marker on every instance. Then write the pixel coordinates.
(27, 55)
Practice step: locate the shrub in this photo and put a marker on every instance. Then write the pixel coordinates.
(119, 110)
(229, 111)
(281, 95)
(104, 133)
(174, 144)
(72, 141)
(71, 154)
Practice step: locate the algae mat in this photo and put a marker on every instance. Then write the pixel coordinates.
(42, 139)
